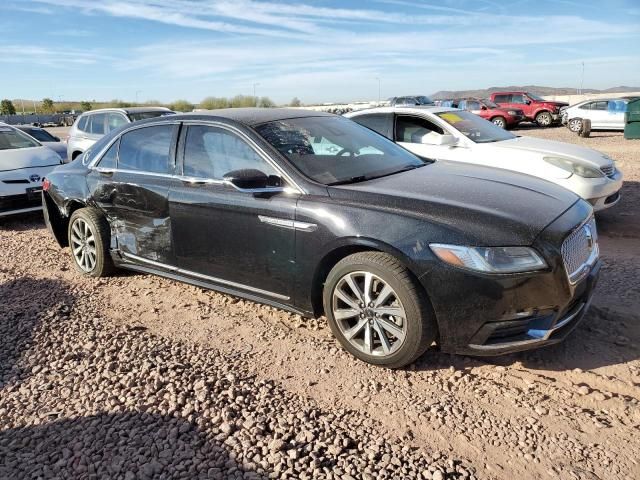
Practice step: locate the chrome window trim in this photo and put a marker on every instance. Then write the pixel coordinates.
(173, 268)
(294, 186)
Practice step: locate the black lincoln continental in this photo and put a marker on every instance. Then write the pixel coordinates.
(315, 214)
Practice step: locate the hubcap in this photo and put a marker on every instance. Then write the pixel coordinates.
(83, 245)
(499, 122)
(369, 313)
(575, 125)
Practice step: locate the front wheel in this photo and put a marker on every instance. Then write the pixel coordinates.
(499, 122)
(544, 119)
(575, 125)
(377, 311)
(89, 235)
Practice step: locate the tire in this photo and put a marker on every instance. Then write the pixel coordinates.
(585, 129)
(407, 333)
(575, 125)
(499, 122)
(89, 230)
(544, 119)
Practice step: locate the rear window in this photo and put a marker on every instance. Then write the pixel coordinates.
(378, 122)
(41, 135)
(12, 139)
(134, 117)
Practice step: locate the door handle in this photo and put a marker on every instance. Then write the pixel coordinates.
(107, 172)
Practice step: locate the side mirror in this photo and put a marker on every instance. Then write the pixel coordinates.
(484, 107)
(250, 180)
(528, 102)
(445, 139)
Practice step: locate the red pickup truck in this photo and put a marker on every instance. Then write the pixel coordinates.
(536, 109)
(502, 117)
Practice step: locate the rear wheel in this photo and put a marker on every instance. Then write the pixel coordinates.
(89, 235)
(575, 125)
(377, 311)
(544, 119)
(499, 121)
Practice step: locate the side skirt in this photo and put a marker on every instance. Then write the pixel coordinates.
(208, 285)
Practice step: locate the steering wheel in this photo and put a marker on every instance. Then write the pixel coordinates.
(345, 150)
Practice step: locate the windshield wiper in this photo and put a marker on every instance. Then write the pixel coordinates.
(359, 178)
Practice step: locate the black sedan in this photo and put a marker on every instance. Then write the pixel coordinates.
(318, 215)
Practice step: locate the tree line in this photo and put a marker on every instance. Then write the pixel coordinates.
(48, 106)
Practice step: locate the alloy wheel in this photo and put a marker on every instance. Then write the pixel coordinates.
(544, 119)
(83, 245)
(575, 125)
(499, 122)
(369, 313)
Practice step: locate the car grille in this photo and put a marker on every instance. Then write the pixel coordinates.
(580, 250)
(609, 170)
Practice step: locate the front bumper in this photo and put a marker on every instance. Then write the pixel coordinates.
(601, 192)
(22, 203)
(484, 314)
(538, 330)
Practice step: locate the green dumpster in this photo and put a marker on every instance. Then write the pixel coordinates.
(632, 119)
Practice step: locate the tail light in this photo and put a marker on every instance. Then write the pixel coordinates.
(46, 184)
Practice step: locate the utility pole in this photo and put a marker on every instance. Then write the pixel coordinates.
(582, 79)
(254, 88)
(378, 79)
(137, 92)
(22, 101)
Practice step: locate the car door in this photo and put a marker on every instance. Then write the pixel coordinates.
(598, 114)
(131, 183)
(223, 235)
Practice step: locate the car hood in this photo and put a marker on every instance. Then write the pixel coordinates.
(18, 158)
(491, 206)
(555, 104)
(583, 155)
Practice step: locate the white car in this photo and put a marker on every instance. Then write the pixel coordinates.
(605, 114)
(46, 139)
(24, 162)
(443, 133)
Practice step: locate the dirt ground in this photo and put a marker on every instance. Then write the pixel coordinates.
(569, 411)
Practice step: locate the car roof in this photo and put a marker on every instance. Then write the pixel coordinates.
(252, 116)
(129, 110)
(417, 109)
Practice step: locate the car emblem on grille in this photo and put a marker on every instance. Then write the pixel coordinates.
(589, 235)
(34, 178)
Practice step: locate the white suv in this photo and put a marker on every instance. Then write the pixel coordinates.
(91, 126)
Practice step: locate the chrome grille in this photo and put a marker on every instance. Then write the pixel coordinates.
(609, 170)
(580, 250)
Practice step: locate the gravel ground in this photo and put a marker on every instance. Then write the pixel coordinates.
(136, 376)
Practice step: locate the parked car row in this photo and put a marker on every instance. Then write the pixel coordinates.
(403, 225)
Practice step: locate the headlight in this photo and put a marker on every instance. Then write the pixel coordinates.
(490, 259)
(577, 168)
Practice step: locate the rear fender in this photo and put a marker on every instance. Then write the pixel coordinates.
(56, 223)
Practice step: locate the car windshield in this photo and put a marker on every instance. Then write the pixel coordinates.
(422, 100)
(11, 139)
(489, 104)
(134, 117)
(41, 135)
(474, 127)
(334, 150)
(535, 97)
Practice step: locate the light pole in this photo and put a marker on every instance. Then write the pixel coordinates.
(582, 79)
(254, 88)
(137, 92)
(378, 79)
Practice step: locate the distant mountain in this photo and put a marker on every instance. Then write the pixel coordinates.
(529, 88)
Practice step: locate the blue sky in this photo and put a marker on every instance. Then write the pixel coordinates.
(319, 51)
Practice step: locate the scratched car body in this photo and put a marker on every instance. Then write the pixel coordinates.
(316, 214)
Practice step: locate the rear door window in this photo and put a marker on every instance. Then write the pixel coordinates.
(517, 98)
(96, 124)
(147, 149)
(599, 105)
(502, 98)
